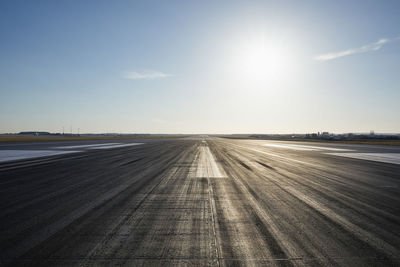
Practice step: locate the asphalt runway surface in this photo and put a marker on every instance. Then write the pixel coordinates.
(199, 201)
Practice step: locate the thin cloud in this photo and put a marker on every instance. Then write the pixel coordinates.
(145, 75)
(363, 49)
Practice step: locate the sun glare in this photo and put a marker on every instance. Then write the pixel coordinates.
(263, 60)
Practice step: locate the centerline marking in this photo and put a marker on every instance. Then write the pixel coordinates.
(205, 165)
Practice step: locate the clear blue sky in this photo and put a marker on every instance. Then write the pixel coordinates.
(200, 66)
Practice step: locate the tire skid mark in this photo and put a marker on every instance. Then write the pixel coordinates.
(265, 165)
(131, 161)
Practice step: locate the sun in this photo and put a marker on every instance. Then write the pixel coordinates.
(263, 60)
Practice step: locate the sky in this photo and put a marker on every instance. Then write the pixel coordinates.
(200, 66)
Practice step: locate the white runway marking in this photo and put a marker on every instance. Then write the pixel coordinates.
(305, 147)
(115, 146)
(205, 165)
(9, 155)
(327, 148)
(290, 147)
(85, 146)
(380, 157)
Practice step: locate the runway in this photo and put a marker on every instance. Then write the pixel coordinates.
(199, 201)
